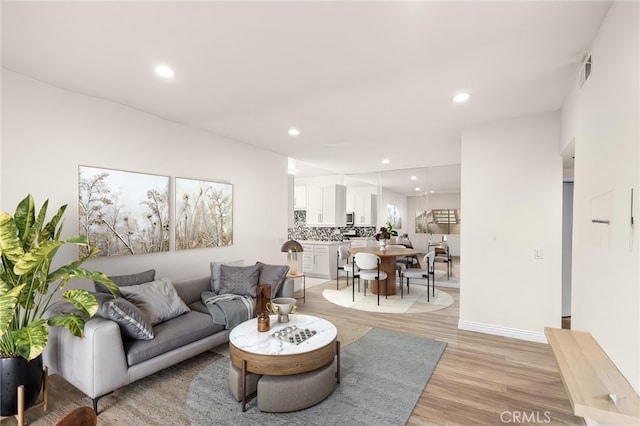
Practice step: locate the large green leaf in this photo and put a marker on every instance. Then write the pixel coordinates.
(8, 302)
(39, 255)
(4, 286)
(49, 230)
(35, 233)
(70, 272)
(10, 244)
(101, 278)
(72, 322)
(78, 239)
(25, 216)
(31, 340)
(83, 300)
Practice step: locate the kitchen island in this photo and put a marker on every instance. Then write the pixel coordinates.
(319, 258)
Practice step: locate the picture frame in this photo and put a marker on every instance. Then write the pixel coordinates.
(122, 212)
(204, 214)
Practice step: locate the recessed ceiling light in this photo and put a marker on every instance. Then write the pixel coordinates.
(164, 71)
(385, 161)
(431, 191)
(461, 97)
(294, 132)
(417, 188)
(414, 177)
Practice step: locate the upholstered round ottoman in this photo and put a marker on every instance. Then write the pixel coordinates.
(279, 394)
(235, 382)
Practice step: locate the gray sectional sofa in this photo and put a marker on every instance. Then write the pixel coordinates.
(108, 357)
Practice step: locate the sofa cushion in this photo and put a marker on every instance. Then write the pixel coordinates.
(216, 271)
(129, 318)
(127, 280)
(172, 334)
(158, 300)
(190, 290)
(273, 275)
(199, 307)
(240, 280)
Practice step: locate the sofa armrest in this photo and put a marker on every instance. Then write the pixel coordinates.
(95, 364)
(287, 289)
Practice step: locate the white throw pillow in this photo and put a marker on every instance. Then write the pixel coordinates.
(158, 300)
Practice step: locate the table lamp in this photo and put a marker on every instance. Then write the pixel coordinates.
(292, 248)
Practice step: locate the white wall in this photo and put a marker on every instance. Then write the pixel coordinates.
(604, 119)
(48, 132)
(512, 204)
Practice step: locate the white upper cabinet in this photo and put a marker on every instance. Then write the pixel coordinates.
(326, 205)
(364, 206)
(300, 198)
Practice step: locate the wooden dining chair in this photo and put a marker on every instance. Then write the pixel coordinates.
(369, 265)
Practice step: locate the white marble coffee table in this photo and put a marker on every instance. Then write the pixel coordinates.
(262, 353)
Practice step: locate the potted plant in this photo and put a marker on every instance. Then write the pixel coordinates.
(385, 233)
(28, 289)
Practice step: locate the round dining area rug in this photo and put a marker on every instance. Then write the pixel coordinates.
(413, 302)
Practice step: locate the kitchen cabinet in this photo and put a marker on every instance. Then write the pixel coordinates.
(300, 198)
(363, 242)
(319, 259)
(326, 205)
(364, 206)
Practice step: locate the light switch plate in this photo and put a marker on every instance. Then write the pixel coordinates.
(538, 253)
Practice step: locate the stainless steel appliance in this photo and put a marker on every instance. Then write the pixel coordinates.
(350, 217)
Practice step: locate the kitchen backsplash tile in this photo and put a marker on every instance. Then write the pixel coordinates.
(301, 231)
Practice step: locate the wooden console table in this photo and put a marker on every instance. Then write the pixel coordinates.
(596, 388)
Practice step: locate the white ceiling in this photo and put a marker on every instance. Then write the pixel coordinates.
(362, 80)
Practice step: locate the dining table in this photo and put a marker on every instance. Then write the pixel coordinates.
(388, 258)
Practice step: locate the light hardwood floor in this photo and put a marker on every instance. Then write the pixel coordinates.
(480, 379)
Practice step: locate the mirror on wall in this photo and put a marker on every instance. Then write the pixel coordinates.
(422, 202)
(410, 199)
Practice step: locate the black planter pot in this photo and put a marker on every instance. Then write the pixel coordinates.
(18, 371)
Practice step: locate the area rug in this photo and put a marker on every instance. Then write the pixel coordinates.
(383, 376)
(413, 302)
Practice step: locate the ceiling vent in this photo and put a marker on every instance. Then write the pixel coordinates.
(585, 71)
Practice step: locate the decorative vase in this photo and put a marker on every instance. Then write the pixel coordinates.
(18, 371)
(263, 297)
(383, 244)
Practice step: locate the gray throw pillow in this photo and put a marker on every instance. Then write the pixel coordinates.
(241, 280)
(158, 300)
(127, 280)
(129, 318)
(275, 275)
(215, 273)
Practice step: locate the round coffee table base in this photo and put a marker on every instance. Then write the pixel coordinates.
(282, 394)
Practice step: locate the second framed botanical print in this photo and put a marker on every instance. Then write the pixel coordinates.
(204, 214)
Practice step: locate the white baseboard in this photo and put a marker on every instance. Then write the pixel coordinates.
(498, 330)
